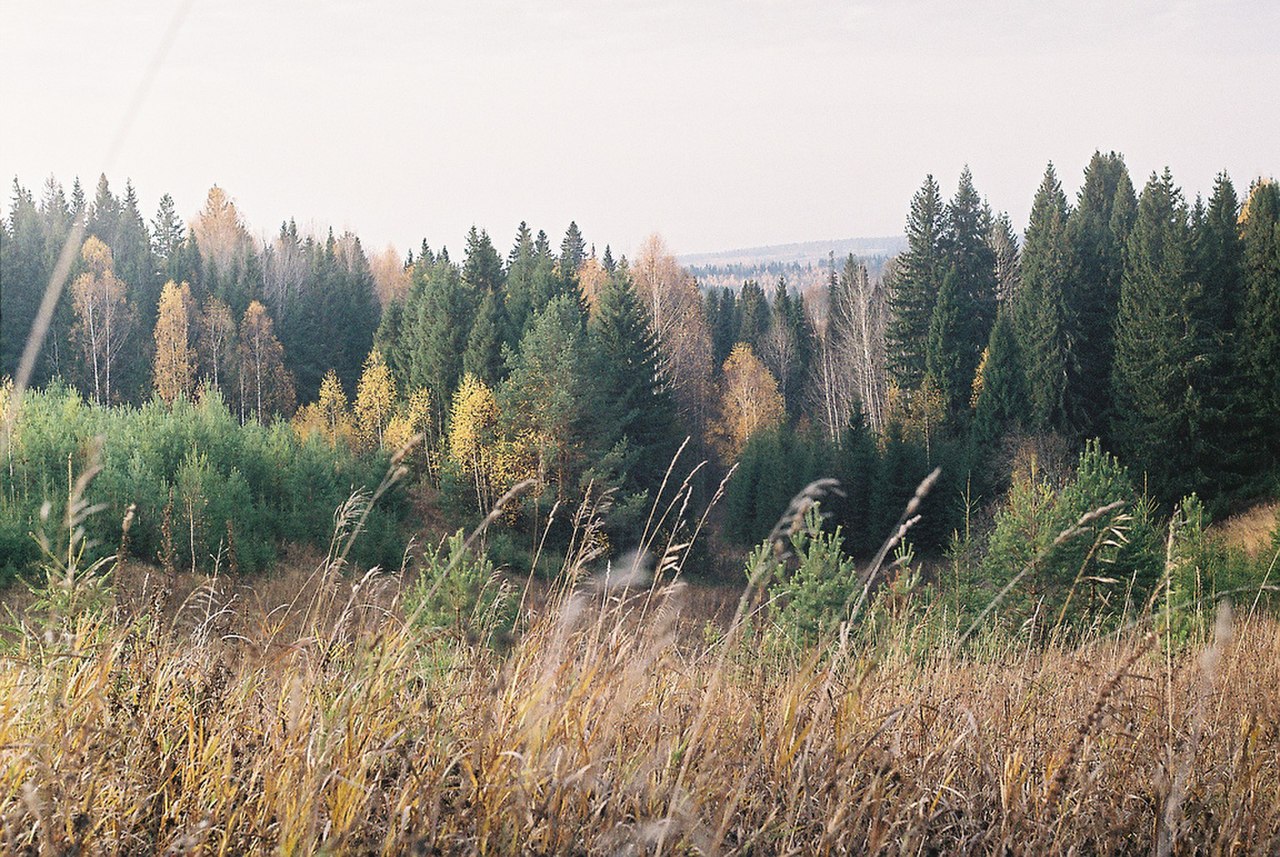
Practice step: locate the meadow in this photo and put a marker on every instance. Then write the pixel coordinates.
(457, 710)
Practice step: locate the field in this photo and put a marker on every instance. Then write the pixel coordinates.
(317, 713)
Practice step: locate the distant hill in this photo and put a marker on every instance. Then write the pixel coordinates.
(805, 251)
(805, 265)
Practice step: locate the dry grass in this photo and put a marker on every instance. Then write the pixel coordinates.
(1250, 530)
(607, 730)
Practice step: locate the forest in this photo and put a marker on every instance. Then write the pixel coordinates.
(1133, 319)
(975, 473)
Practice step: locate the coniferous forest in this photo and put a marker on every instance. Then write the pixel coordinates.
(1003, 450)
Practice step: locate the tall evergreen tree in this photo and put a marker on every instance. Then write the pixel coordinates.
(971, 261)
(483, 356)
(635, 405)
(1040, 311)
(167, 233)
(1161, 346)
(24, 276)
(914, 287)
(573, 251)
(945, 358)
(1098, 230)
(1002, 398)
(1218, 261)
(1004, 244)
(1258, 338)
(753, 315)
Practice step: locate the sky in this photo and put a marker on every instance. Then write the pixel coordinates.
(718, 123)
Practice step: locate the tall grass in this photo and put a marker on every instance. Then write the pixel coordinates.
(615, 724)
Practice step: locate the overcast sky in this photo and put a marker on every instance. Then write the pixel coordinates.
(719, 124)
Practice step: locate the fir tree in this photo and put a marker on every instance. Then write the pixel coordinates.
(1097, 229)
(1002, 400)
(945, 357)
(971, 262)
(483, 356)
(635, 405)
(1258, 339)
(1160, 348)
(573, 252)
(914, 287)
(753, 315)
(1040, 311)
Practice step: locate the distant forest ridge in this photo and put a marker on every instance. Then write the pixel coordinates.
(802, 252)
(805, 264)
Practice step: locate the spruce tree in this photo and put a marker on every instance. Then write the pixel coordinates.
(1161, 346)
(167, 233)
(753, 315)
(1258, 339)
(1004, 244)
(971, 261)
(1218, 261)
(914, 287)
(573, 251)
(1002, 400)
(945, 358)
(1097, 229)
(634, 403)
(1040, 310)
(483, 356)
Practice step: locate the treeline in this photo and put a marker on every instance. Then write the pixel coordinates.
(1148, 323)
(1139, 319)
(317, 298)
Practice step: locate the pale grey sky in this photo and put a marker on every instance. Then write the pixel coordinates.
(719, 124)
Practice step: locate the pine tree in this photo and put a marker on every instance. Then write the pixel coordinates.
(1098, 229)
(914, 287)
(1040, 311)
(1160, 348)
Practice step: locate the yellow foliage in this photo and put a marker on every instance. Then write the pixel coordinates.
(335, 419)
(473, 422)
(307, 421)
(750, 401)
(979, 378)
(375, 399)
(174, 369)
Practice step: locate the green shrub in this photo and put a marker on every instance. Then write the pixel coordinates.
(1107, 563)
(459, 594)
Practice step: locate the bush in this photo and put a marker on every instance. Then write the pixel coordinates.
(1106, 564)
